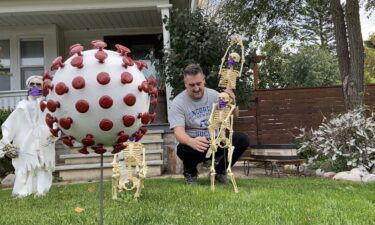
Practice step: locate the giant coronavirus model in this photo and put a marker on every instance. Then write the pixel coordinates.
(98, 97)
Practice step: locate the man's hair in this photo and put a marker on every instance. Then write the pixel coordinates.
(192, 69)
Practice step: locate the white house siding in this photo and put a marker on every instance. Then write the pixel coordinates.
(47, 33)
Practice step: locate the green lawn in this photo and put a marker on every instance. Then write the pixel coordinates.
(295, 200)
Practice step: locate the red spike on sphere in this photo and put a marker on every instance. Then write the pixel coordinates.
(57, 63)
(126, 78)
(65, 122)
(128, 120)
(144, 87)
(118, 147)
(145, 118)
(54, 132)
(68, 140)
(84, 150)
(130, 99)
(42, 105)
(141, 65)
(52, 105)
(143, 130)
(138, 135)
(49, 120)
(103, 78)
(154, 102)
(155, 92)
(127, 61)
(99, 149)
(82, 106)
(151, 82)
(99, 44)
(88, 140)
(77, 62)
(101, 55)
(105, 102)
(76, 49)
(47, 75)
(61, 88)
(122, 137)
(78, 82)
(152, 117)
(122, 50)
(106, 124)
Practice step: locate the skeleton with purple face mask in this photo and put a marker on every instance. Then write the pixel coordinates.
(26, 132)
(220, 127)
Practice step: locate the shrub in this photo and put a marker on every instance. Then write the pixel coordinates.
(5, 163)
(346, 141)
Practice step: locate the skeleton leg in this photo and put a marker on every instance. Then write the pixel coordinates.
(141, 174)
(213, 172)
(115, 177)
(230, 154)
(212, 148)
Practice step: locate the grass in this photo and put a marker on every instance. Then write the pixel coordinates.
(169, 201)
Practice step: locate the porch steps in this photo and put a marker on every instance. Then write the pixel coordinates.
(80, 167)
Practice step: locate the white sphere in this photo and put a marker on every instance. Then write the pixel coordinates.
(99, 99)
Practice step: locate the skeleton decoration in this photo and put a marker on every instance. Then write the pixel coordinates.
(220, 123)
(229, 75)
(98, 97)
(136, 169)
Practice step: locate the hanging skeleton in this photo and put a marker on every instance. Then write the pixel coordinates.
(136, 169)
(220, 123)
(229, 75)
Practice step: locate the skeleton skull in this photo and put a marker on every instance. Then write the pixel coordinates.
(235, 56)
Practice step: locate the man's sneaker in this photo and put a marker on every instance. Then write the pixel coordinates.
(221, 178)
(190, 179)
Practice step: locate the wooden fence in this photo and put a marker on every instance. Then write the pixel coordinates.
(277, 113)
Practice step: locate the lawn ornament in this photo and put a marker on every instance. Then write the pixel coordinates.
(98, 97)
(29, 143)
(136, 168)
(229, 75)
(220, 123)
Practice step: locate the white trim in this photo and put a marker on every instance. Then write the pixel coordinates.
(65, 6)
(167, 46)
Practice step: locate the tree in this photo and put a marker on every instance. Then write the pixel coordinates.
(311, 66)
(314, 23)
(350, 50)
(195, 39)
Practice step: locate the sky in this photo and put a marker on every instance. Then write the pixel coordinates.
(367, 24)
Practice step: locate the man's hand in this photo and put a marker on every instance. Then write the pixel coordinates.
(200, 144)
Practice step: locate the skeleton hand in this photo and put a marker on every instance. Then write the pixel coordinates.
(11, 151)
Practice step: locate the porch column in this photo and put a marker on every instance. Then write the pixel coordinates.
(167, 45)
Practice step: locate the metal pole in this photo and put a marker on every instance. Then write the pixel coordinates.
(101, 191)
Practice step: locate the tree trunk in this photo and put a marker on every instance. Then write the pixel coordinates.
(341, 47)
(355, 84)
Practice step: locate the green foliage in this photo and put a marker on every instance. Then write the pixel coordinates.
(194, 39)
(346, 141)
(5, 163)
(262, 20)
(311, 66)
(370, 59)
(314, 24)
(272, 68)
(292, 200)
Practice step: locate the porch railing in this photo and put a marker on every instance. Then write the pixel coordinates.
(10, 99)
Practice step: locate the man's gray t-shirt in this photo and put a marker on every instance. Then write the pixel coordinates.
(192, 114)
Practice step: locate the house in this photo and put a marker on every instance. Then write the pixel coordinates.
(34, 32)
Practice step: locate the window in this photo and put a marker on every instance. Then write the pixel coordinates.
(32, 59)
(4, 65)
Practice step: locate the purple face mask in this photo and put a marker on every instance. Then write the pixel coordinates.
(231, 62)
(222, 104)
(35, 91)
